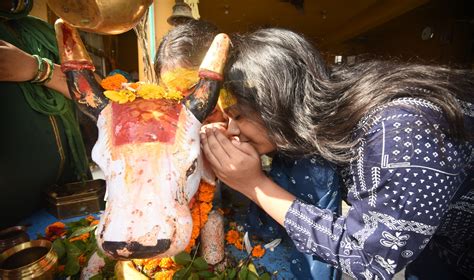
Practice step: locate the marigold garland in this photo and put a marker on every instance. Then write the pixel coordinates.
(200, 205)
(119, 90)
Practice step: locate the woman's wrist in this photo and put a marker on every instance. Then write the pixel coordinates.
(271, 197)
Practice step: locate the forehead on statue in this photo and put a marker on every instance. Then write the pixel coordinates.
(185, 46)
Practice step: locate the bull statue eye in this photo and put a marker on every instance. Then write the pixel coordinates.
(192, 168)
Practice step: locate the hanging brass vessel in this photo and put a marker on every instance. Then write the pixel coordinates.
(101, 16)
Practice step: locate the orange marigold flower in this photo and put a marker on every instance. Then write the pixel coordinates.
(166, 263)
(238, 245)
(196, 230)
(82, 237)
(113, 82)
(258, 251)
(206, 196)
(232, 236)
(190, 246)
(94, 222)
(55, 230)
(206, 187)
(134, 85)
(205, 208)
(90, 218)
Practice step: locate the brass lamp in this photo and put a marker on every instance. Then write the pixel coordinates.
(181, 13)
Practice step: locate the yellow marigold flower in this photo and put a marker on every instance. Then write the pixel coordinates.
(166, 263)
(164, 275)
(151, 264)
(258, 251)
(151, 91)
(173, 94)
(232, 236)
(113, 82)
(139, 262)
(122, 96)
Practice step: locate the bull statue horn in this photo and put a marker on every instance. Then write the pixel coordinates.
(203, 99)
(79, 71)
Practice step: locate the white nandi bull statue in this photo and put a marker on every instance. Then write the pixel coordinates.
(152, 165)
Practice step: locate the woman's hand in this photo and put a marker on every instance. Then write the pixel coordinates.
(221, 126)
(15, 64)
(235, 163)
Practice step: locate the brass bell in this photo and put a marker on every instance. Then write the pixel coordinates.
(181, 13)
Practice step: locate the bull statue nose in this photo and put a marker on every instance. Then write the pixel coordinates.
(135, 250)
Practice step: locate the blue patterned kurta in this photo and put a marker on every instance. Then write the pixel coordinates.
(314, 181)
(409, 182)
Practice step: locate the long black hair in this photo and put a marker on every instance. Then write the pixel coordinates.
(310, 109)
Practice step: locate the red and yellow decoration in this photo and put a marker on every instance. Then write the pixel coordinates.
(175, 84)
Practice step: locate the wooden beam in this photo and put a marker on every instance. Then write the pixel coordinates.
(375, 15)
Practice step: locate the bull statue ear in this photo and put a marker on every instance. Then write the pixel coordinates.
(203, 99)
(76, 64)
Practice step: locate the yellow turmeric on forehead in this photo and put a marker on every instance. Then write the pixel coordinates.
(226, 100)
(180, 79)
